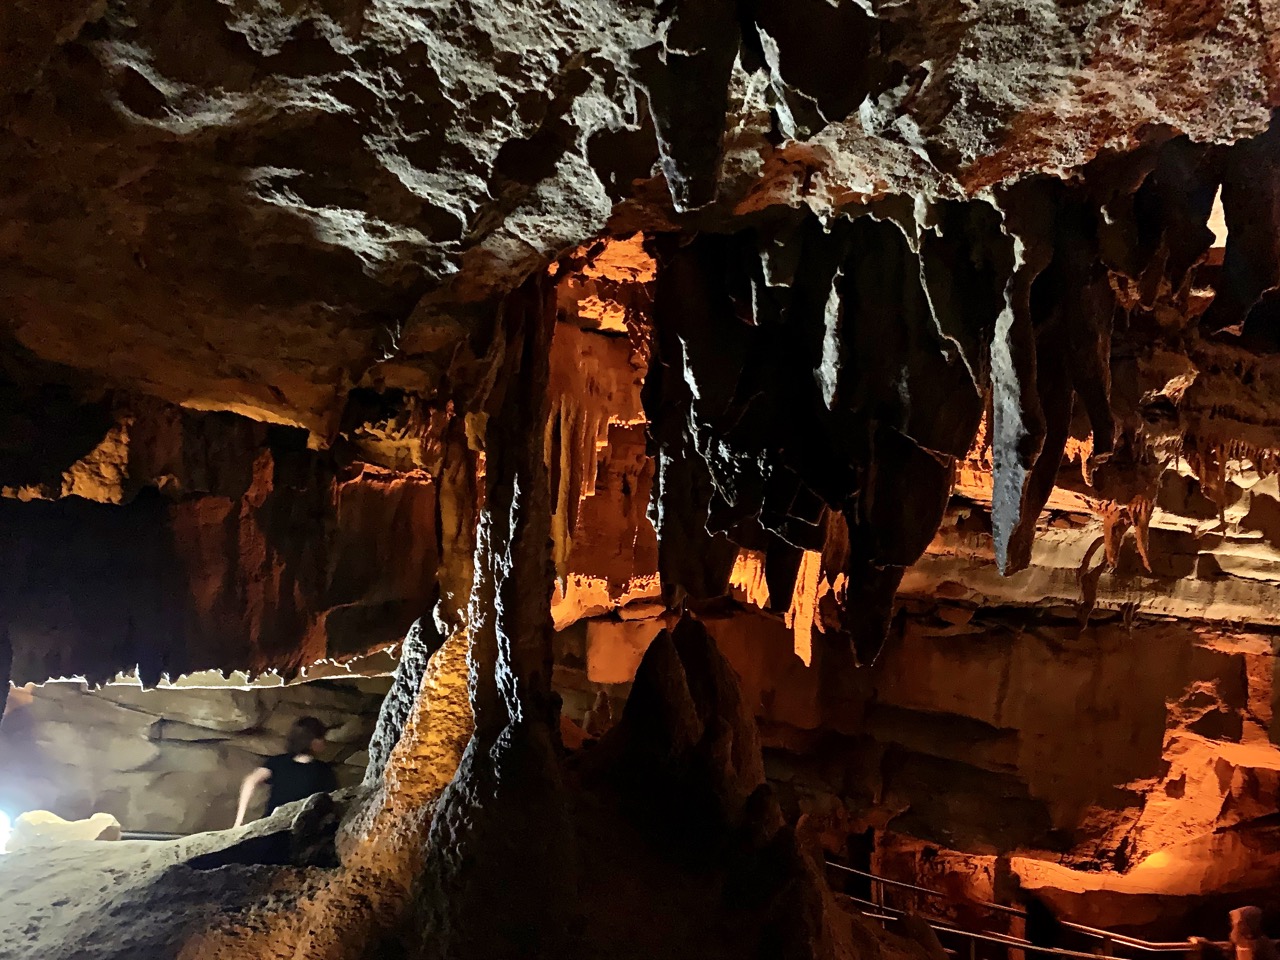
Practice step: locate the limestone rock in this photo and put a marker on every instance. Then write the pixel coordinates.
(166, 729)
(94, 748)
(76, 753)
(75, 896)
(223, 710)
(615, 648)
(210, 527)
(789, 318)
(40, 828)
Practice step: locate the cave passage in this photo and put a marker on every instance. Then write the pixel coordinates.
(731, 480)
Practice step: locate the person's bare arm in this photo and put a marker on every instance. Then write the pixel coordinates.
(251, 783)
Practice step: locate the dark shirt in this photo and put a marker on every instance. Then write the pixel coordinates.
(1043, 929)
(291, 780)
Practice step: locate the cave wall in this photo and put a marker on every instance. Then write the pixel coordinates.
(168, 760)
(182, 541)
(999, 733)
(171, 226)
(1056, 711)
(308, 306)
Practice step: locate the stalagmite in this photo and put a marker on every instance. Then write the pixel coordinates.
(500, 832)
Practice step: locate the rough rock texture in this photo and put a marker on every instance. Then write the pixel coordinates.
(997, 185)
(319, 315)
(461, 148)
(676, 791)
(420, 643)
(227, 537)
(167, 761)
(480, 142)
(501, 830)
(1130, 770)
(110, 901)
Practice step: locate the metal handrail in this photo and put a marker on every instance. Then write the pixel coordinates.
(988, 936)
(936, 894)
(150, 835)
(896, 913)
(1095, 932)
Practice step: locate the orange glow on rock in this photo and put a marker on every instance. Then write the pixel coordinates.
(747, 581)
(804, 605)
(608, 316)
(623, 261)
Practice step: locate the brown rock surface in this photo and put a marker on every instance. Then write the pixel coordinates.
(901, 336)
(229, 538)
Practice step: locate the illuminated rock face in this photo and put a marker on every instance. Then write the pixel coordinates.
(167, 761)
(1130, 751)
(889, 354)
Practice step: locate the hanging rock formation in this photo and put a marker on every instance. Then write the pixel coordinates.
(607, 343)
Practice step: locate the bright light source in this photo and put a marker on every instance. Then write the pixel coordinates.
(6, 825)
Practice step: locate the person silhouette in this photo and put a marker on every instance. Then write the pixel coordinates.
(293, 775)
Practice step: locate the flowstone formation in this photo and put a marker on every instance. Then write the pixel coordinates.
(625, 337)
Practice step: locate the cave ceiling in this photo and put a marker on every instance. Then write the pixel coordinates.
(844, 285)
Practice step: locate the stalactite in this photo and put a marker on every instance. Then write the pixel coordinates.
(1115, 522)
(697, 53)
(1140, 509)
(803, 612)
(595, 386)
(748, 581)
(1017, 418)
(1171, 209)
(1087, 576)
(1053, 346)
(692, 560)
(1216, 462)
(842, 386)
(576, 437)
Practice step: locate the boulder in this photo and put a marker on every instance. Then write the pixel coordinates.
(40, 828)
